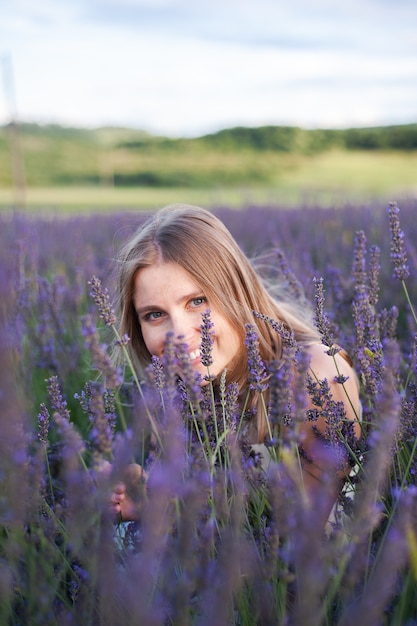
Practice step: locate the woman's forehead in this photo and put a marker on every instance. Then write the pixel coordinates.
(164, 280)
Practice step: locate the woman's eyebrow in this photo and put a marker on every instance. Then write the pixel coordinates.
(191, 296)
(180, 300)
(146, 308)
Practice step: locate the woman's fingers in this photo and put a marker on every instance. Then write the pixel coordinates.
(127, 497)
(117, 498)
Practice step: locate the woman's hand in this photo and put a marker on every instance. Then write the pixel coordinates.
(128, 495)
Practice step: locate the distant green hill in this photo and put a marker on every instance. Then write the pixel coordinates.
(57, 156)
(294, 139)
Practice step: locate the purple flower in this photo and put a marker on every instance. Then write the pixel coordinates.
(341, 379)
(102, 418)
(190, 378)
(158, 372)
(43, 423)
(206, 339)
(101, 359)
(387, 321)
(232, 411)
(280, 328)
(58, 403)
(282, 373)
(398, 254)
(257, 371)
(366, 287)
(374, 267)
(321, 319)
(169, 362)
(101, 297)
(333, 412)
(123, 341)
(359, 264)
(292, 280)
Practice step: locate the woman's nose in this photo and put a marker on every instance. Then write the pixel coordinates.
(182, 329)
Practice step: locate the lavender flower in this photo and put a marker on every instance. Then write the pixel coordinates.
(288, 393)
(279, 327)
(359, 264)
(190, 378)
(413, 359)
(232, 412)
(73, 445)
(101, 297)
(374, 268)
(257, 371)
(387, 322)
(102, 423)
(333, 412)
(293, 282)
(368, 347)
(43, 423)
(229, 396)
(101, 359)
(398, 254)
(84, 398)
(282, 373)
(206, 339)
(169, 363)
(123, 341)
(158, 372)
(59, 404)
(322, 320)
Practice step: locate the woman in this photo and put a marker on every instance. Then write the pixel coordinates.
(184, 261)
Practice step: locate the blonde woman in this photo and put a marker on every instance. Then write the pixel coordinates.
(180, 263)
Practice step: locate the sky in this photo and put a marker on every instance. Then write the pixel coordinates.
(191, 67)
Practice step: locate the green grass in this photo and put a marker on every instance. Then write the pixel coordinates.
(331, 178)
(369, 174)
(133, 198)
(112, 168)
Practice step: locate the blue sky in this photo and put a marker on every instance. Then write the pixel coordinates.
(188, 67)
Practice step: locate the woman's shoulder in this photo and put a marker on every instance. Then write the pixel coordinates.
(339, 372)
(325, 362)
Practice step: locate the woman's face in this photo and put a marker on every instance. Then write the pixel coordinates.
(168, 300)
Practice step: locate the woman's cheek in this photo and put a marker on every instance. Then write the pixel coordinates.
(157, 343)
(149, 340)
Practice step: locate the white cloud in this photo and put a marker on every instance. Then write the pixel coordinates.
(216, 64)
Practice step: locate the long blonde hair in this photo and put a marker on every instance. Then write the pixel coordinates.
(198, 241)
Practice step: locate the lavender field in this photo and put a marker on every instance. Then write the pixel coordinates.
(218, 542)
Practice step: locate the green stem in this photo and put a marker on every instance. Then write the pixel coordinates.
(272, 450)
(242, 414)
(407, 295)
(395, 503)
(138, 385)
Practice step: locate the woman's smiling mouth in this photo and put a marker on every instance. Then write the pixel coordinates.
(194, 354)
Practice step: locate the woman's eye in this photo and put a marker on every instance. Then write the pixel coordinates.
(199, 301)
(153, 315)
